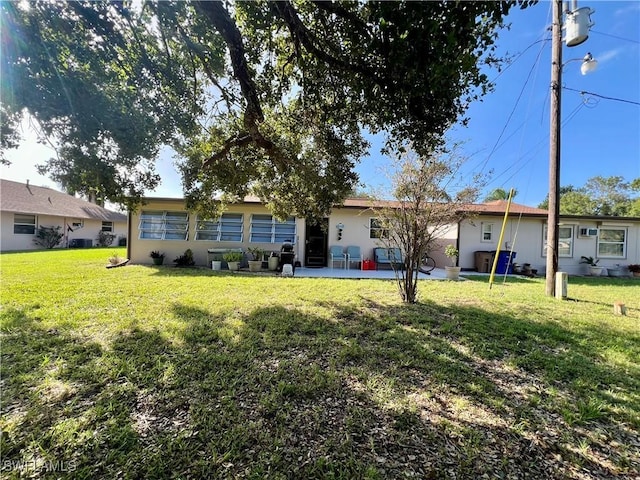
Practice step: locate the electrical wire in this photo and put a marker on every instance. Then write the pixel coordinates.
(616, 36)
(495, 146)
(584, 92)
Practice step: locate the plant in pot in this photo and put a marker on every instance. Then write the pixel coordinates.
(157, 256)
(452, 272)
(233, 260)
(634, 268)
(594, 269)
(274, 261)
(257, 253)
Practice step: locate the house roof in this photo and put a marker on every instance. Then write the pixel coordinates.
(497, 207)
(500, 206)
(25, 198)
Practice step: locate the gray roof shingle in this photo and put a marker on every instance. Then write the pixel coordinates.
(22, 198)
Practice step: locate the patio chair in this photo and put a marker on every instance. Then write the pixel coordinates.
(353, 255)
(336, 254)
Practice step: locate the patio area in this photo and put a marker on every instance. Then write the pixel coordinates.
(326, 272)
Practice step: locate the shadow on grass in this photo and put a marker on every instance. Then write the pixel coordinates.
(372, 392)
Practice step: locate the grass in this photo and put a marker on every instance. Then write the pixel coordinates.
(159, 372)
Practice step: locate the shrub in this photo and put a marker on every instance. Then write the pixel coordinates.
(105, 239)
(48, 237)
(185, 260)
(232, 257)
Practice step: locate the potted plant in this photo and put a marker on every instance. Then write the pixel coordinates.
(634, 268)
(452, 272)
(233, 260)
(273, 261)
(594, 269)
(157, 256)
(257, 253)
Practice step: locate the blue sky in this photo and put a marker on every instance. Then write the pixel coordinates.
(508, 132)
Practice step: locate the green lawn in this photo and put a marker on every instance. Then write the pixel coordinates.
(159, 372)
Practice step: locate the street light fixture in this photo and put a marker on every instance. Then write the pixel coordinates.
(589, 64)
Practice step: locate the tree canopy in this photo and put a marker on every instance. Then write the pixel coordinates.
(607, 196)
(263, 97)
(498, 194)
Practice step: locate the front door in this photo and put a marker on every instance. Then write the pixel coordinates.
(315, 249)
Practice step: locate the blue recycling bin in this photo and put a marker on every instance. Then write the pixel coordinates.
(505, 264)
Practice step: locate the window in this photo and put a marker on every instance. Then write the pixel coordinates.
(24, 224)
(612, 242)
(487, 232)
(266, 229)
(107, 226)
(565, 241)
(159, 225)
(228, 228)
(376, 230)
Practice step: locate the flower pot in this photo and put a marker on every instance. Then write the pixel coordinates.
(158, 260)
(453, 273)
(216, 265)
(636, 274)
(234, 266)
(614, 271)
(255, 265)
(595, 271)
(273, 263)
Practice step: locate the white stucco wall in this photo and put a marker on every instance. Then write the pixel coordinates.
(526, 236)
(355, 232)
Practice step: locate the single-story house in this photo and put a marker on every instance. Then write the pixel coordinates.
(164, 224)
(25, 207)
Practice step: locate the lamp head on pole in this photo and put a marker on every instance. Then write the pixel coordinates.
(589, 64)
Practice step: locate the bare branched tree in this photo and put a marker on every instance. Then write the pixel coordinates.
(431, 197)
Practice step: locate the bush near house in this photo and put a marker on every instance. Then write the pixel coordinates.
(190, 373)
(48, 237)
(105, 239)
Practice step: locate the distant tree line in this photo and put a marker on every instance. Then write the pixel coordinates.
(606, 196)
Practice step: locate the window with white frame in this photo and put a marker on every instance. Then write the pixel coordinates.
(565, 241)
(266, 229)
(228, 228)
(612, 242)
(376, 230)
(24, 224)
(107, 226)
(163, 225)
(487, 232)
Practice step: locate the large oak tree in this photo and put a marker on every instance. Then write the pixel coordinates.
(269, 97)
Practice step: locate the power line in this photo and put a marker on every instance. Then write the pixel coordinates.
(615, 36)
(515, 106)
(583, 92)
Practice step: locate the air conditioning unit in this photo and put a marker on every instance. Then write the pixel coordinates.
(587, 232)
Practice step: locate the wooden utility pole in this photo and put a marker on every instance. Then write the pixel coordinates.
(554, 149)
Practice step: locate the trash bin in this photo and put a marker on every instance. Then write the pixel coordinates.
(505, 260)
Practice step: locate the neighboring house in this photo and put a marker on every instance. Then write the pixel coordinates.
(164, 224)
(25, 207)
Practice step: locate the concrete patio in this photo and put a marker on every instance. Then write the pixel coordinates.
(326, 272)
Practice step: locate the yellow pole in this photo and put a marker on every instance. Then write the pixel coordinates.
(504, 224)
